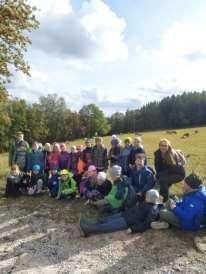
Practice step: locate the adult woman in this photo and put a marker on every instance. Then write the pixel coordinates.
(169, 170)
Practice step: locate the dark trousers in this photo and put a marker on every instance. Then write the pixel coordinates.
(104, 225)
(168, 178)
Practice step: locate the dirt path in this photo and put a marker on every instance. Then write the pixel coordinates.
(37, 236)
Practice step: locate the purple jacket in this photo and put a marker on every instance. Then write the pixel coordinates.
(64, 160)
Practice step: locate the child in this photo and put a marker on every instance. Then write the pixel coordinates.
(67, 186)
(36, 181)
(35, 157)
(13, 182)
(125, 154)
(47, 151)
(136, 148)
(54, 156)
(135, 219)
(87, 153)
(188, 212)
(142, 178)
(115, 152)
(99, 155)
(104, 186)
(114, 201)
(53, 183)
(88, 183)
(64, 160)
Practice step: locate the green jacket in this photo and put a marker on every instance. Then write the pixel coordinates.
(118, 193)
(67, 187)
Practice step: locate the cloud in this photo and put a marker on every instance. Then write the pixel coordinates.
(94, 32)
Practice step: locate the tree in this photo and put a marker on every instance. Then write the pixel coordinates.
(17, 19)
(93, 120)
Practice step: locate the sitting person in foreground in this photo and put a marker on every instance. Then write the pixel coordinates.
(135, 219)
(53, 182)
(67, 186)
(142, 178)
(13, 182)
(36, 181)
(187, 213)
(113, 202)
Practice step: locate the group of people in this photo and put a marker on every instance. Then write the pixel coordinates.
(117, 182)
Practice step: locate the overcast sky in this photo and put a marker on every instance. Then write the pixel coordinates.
(118, 54)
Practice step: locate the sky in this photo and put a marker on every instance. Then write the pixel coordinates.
(118, 54)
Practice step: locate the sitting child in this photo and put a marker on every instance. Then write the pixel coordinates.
(135, 219)
(113, 202)
(36, 181)
(13, 182)
(53, 183)
(142, 178)
(67, 186)
(188, 213)
(88, 183)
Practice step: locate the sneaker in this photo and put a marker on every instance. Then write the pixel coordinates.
(159, 225)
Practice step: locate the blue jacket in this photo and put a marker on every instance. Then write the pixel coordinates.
(142, 180)
(191, 208)
(35, 158)
(53, 184)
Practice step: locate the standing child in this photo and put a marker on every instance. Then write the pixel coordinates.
(125, 154)
(115, 152)
(54, 156)
(136, 148)
(67, 186)
(99, 155)
(35, 157)
(13, 182)
(47, 151)
(64, 159)
(87, 153)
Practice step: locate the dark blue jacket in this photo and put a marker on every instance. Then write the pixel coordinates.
(53, 184)
(35, 158)
(142, 180)
(191, 208)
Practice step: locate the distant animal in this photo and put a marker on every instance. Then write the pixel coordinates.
(196, 131)
(171, 132)
(185, 135)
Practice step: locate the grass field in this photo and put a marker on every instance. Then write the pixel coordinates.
(193, 146)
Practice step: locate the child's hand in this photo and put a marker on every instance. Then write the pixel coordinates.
(129, 231)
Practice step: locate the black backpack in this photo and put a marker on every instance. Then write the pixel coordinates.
(131, 199)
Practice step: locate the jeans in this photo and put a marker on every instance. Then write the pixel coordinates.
(104, 225)
(105, 207)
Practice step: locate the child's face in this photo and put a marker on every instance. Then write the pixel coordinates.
(54, 171)
(137, 143)
(47, 147)
(14, 171)
(98, 142)
(63, 147)
(186, 188)
(64, 177)
(56, 148)
(35, 146)
(140, 158)
(92, 173)
(88, 144)
(127, 144)
(35, 172)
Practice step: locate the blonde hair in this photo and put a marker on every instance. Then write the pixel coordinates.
(169, 155)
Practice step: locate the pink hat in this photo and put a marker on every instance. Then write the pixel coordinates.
(92, 168)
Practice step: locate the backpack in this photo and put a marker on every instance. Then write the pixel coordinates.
(180, 157)
(131, 198)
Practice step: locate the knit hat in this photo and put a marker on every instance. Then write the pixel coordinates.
(36, 168)
(115, 142)
(64, 172)
(193, 181)
(153, 196)
(116, 171)
(92, 168)
(101, 176)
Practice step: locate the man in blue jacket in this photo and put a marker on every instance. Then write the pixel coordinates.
(142, 178)
(188, 213)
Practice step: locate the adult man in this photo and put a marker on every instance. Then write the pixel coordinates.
(18, 152)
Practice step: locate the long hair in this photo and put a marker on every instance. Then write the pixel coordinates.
(169, 155)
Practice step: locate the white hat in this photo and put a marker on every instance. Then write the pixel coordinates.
(101, 176)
